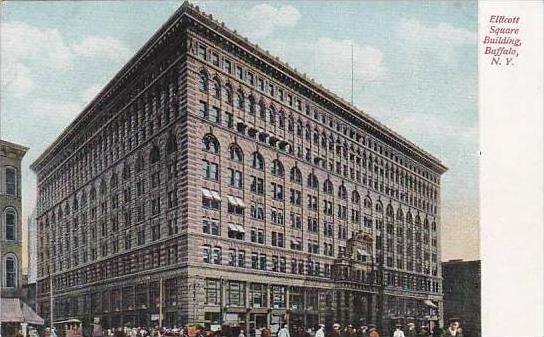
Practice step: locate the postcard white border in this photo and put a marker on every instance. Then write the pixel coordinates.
(511, 123)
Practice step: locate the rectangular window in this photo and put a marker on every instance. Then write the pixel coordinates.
(202, 52)
(215, 115)
(215, 59)
(227, 65)
(239, 73)
(203, 109)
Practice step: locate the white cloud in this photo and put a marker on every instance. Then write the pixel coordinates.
(263, 19)
(104, 47)
(25, 47)
(332, 64)
(443, 34)
(21, 44)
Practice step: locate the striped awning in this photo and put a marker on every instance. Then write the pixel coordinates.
(10, 310)
(30, 316)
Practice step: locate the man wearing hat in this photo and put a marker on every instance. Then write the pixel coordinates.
(411, 330)
(454, 329)
(373, 331)
(320, 331)
(398, 331)
(335, 330)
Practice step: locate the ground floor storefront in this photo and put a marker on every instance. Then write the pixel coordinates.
(233, 302)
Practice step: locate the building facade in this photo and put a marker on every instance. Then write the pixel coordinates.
(462, 294)
(209, 182)
(10, 221)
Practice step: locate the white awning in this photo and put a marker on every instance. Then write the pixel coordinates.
(240, 229)
(216, 196)
(232, 200)
(10, 310)
(362, 252)
(295, 242)
(233, 227)
(430, 303)
(240, 203)
(206, 192)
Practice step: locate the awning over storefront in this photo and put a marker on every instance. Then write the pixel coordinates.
(11, 310)
(430, 303)
(31, 317)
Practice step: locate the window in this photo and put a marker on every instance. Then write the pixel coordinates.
(312, 181)
(295, 175)
(257, 185)
(295, 197)
(11, 181)
(257, 235)
(10, 271)
(213, 291)
(216, 93)
(210, 144)
(10, 218)
(215, 59)
(209, 170)
(258, 161)
(277, 191)
(202, 52)
(235, 153)
(327, 186)
(257, 211)
(236, 179)
(227, 94)
(342, 193)
(154, 154)
(277, 239)
(203, 109)
(227, 65)
(239, 73)
(211, 227)
(215, 115)
(211, 199)
(203, 82)
(277, 168)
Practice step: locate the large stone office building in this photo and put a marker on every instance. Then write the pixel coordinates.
(210, 182)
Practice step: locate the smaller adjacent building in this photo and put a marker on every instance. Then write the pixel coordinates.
(462, 291)
(14, 312)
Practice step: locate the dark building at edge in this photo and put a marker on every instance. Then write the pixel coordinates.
(462, 294)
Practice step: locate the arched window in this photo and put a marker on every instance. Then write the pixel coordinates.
(210, 144)
(154, 154)
(342, 193)
(10, 267)
(400, 215)
(102, 187)
(262, 111)
(355, 198)
(114, 180)
(126, 171)
(236, 153)
(171, 145)
(277, 168)
(389, 211)
(327, 186)
(379, 207)
(10, 217)
(11, 180)
(216, 88)
(258, 161)
(368, 203)
(281, 119)
(418, 220)
(227, 94)
(426, 224)
(93, 194)
(240, 100)
(409, 217)
(295, 175)
(272, 115)
(251, 103)
(299, 128)
(312, 181)
(203, 81)
(140, 162)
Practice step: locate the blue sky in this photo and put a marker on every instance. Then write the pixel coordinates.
(415, 70)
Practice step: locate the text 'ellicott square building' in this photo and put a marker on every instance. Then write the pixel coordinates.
(211, 183)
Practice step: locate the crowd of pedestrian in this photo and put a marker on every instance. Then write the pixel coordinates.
(336, 330)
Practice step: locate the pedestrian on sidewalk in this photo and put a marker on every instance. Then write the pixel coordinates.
(398, 331)
(284, 332)
(320, 331)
